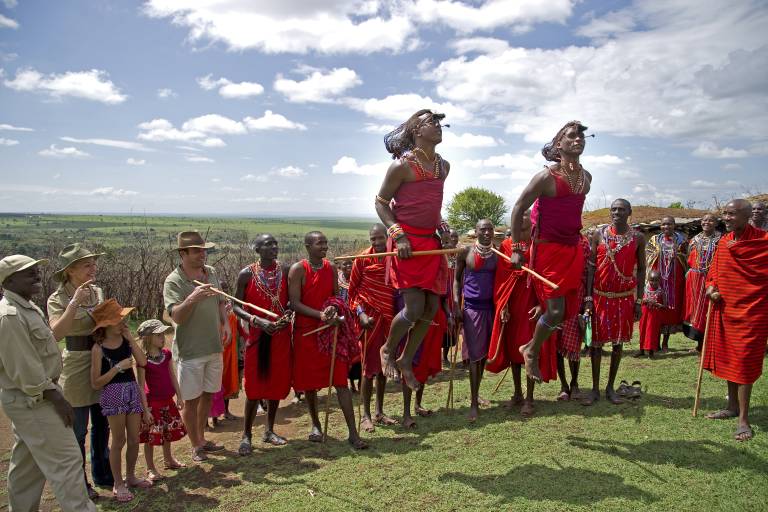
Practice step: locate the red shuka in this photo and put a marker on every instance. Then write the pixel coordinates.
(651, 320)
(369, 291)
(700, 254)
(429, 363)
(277, 383)
(230, 379)
(311, 367)
(738, 326)
(511, 289)
(614, 273)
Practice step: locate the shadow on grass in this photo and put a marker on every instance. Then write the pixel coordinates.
(537, 482)
(707, 456)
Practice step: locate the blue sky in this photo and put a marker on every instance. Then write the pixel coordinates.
(262, 107)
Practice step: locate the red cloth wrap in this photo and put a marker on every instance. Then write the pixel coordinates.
(429, 273)
(738, 325)
(369, 291)
(651, 321)
(230, 379)
(563, 265)
(511, 289)
(277, 384)
(347, 348)
(614, 317)
(569, 336)
(696, 301)
(312, 367)
(430, 363)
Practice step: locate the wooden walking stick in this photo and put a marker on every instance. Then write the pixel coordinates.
(432, 252)
(454, 338)
(534, 274)
(498, 347)
(242, 303)
(330, 382)
(500, 381)
(362, 373)
(701, 363)
(450, 372)
(321, 328)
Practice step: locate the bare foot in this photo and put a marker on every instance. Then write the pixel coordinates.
(423, 412)
(473, 412)
(141, 483)
(531, 362)
(527, 410)
(483, 402)
(383, 419)
(357, 443)
(388, 365)
(564, 395)
(743, 433)
(173, 464)
(408, 422)
(406, 373)
(366, 425)
(153, 475)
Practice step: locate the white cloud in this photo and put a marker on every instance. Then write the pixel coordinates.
(198, 159)
(688, 71)
(8, 142)
(704, 184)
(289, 172)
(214, 124)
(272, 121)
(399, 107)
(486, 45)
(12, 128)
(6, 22)
(90, 85)
(711, 150)
(523, 165)
(731, 167)
(166, 93)
(626, 173)
(120, 144)
(493, 176)
(318, 87)
(328, 27)
(135, 161)
(610, 24)
(229, 89)
(212, 142)
(378, 128)
(112, 192)
(518, 15)
(467, 140)
(57, 152)
(258, 178)
(348, 165)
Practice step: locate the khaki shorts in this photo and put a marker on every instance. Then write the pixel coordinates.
(200, 374)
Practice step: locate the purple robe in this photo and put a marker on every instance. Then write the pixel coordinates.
(478, 309)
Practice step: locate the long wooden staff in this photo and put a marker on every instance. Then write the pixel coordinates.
(362, 371)
(247, 304)
(701, 363)
(450, 372)
(321, 328)
(454, 338)
(534, 274)
(501, 380)
(498, 347)
(432, 252)
(330, 383)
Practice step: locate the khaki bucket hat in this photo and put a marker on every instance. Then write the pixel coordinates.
(71, 254)
(192, 240)
(16, 263)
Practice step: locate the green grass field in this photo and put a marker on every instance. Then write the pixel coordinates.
(644, 455)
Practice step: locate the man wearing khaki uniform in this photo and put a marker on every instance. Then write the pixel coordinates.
(201, 327)
(45, 447)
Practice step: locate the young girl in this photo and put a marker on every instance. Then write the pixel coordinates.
(162, 423)
(111, 371)
(650, 320)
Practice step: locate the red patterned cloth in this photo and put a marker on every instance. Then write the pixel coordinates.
(428, 361)
(368, 290)
(347, 347)
(651, 320)
(569, 336)
(311, 366)
(615, 273)
(166, 426)
(738, 328)
(701, 250)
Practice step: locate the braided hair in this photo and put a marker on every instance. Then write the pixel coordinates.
(402, 139)
(550, 151)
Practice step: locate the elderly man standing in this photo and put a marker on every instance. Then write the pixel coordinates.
(202, 327)
(737, 284)
(759, 216)
(45, 447)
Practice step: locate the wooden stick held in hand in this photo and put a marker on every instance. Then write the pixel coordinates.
(242, 303)
(321, 328)
(701, 362)
(330, 383)
(394, 253)
(534, 274)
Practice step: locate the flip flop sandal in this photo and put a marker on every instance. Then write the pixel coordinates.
(154, 477)
(245, 448)
(624, 388)
(198, 455)
(315, 437)
(722, 414)
(743, 430)
(635, 390)
(174, 466)
(210, 446)
(273, 439)
(141, 484)
(123, 496)
(563, 396)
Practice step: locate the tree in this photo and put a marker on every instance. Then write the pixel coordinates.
(676, 204)
(473, 204)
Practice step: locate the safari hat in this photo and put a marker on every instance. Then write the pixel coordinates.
(109, 312)
(15, 263)
(149, 327)
(69, 255)
(192, 240)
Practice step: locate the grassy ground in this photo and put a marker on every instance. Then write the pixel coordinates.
(644, 455)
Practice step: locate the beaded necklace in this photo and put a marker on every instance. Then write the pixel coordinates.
(423, 173)
(483, 250)
(609, 235)
(705, 249)
(269, 282)
(575, 178)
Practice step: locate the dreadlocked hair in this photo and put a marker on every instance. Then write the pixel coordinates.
(550, 151)
(401, 140)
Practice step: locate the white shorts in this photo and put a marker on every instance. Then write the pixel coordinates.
(200, 374)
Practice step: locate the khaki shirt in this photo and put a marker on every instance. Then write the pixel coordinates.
(83, 324)
(199, 336)
(76, 376)
(30, 361)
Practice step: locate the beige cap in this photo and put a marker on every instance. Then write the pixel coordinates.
(153, 326)
(15, 263)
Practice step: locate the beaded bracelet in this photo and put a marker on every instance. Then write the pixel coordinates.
(589, 298)
(383, 201)
(518, 247)
(443, 227)
(395, 231)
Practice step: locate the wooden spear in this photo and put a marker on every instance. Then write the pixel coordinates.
(534, 274)
(247, 304)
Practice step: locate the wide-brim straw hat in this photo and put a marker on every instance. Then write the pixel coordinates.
(192, 240)
(72, 254)
(109, 312)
